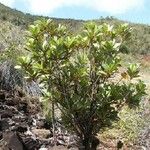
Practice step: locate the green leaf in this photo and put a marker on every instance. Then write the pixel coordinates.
(133, 70)
(17, 67)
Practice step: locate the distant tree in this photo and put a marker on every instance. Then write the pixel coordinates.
(78, 74)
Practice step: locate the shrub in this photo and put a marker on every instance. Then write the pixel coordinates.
(78, 71)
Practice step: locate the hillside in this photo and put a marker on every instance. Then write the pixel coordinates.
(139, 43)
(19, 18)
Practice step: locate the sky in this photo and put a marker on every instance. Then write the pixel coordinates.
(137, 11)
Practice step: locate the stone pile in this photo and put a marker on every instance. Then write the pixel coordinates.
(22, 126)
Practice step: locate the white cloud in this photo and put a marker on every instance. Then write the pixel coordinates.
(49, 6)
(46, 7)
(109, 6)
(116, 6)
(7, 2)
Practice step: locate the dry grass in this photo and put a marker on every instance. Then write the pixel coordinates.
(132, 122)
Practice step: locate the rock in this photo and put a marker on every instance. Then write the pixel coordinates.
(23, 107)
(11, 101)
(20, 118)
(13, 141)
(41, 133)
(20, 128)
(6, 114)
(143, 148)
(2, 96)
(40, 124)
(1, 135)
(61, 142)
(29, 142)
(12, 80)
(4, 125)
(43, 148)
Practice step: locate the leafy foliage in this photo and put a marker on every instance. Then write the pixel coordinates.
(77, 72)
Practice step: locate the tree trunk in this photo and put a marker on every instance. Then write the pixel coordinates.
(89, 143)
(53, 120)
(86, 144)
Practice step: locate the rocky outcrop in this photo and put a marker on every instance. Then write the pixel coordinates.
(22, 126)
(12, 79)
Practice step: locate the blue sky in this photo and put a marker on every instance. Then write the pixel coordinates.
(128, 10)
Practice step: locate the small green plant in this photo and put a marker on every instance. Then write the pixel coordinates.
(77, 72)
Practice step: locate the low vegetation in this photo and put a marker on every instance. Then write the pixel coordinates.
(77, 72)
